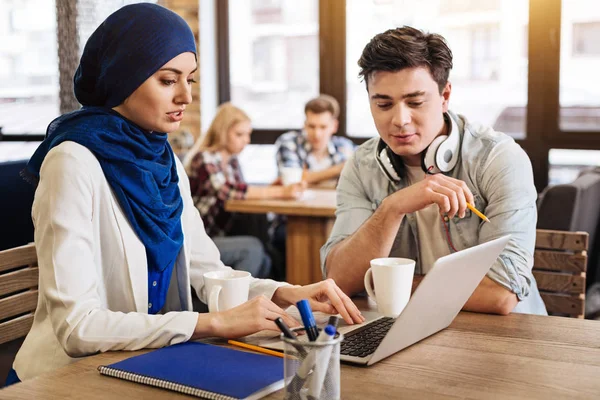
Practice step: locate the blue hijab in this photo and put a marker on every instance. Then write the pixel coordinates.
(128, 48)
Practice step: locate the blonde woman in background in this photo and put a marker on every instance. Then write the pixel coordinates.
(215, 177)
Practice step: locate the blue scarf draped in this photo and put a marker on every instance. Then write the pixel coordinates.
(140, 168)
(122, 53)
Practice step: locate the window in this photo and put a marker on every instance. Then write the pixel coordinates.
(585, 41)
(273, 60)
(495, 81)
(28, 66)
(485, 50)
(266, 11)
(449, 7)
(566, 164)
(489, 78)
(91, 13)
(579, 64)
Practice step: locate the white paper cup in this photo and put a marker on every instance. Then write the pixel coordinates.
(291, 175)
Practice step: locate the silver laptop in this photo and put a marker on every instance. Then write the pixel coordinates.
(437, 300)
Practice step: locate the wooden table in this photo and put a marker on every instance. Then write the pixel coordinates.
(309, 222)
(478, 357)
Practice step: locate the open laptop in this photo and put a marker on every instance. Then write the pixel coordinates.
(436, 302)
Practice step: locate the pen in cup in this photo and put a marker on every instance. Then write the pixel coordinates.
(329, 376)
(308, 319)
(310, 361)
(333, 321)
(290, 335)
(315, 381)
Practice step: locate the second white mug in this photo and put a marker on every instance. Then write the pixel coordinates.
(291, 175)
(226, 289)
(392, 279)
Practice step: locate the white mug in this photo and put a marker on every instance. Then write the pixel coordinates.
(291, 175)
(392, 278)
(226, 289)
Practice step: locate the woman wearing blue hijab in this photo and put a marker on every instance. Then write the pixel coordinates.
(118, 239)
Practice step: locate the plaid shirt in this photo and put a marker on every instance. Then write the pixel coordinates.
(293, 149)
(212, 186)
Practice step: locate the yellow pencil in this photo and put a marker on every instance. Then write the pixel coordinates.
(477, 212)
(255, 348)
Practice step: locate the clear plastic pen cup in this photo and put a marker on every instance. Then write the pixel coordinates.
(312, 369)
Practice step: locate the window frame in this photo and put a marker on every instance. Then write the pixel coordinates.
(68, 26)
(543, 105)
(332, 65)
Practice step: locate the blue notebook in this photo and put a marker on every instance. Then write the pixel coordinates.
(203, 370)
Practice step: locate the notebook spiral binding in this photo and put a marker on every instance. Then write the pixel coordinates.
(117, 373)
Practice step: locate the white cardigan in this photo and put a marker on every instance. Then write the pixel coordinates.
(93, 285)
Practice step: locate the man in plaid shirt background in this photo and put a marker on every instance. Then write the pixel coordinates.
(315, 148)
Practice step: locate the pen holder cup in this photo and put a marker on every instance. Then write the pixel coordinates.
(312, 369)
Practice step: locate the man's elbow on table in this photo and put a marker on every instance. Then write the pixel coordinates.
(507, 304)
(489, 297)
(499, 305)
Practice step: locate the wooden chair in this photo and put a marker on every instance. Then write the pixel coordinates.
(559, 267)
(18, 291)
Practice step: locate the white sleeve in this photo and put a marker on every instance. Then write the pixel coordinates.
(64, 238)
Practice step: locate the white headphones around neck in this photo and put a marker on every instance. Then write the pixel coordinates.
(440, 156)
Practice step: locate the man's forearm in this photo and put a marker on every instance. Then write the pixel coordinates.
(318, 176)
(348, 261)
(264, 192)
(489, 297)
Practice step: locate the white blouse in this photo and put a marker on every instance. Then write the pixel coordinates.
(93, 284)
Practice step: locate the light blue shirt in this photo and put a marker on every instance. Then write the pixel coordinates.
(498, 173)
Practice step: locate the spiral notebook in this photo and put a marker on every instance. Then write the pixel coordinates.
(203, 370)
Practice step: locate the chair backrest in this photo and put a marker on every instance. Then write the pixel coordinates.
(559, 268)
(15, 209)
(18, 291)
(574, 207)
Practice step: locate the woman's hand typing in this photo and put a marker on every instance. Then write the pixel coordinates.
(324, 296)
(250, 317)
(259, 313)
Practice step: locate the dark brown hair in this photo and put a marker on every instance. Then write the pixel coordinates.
(323, 103)
(407, 47)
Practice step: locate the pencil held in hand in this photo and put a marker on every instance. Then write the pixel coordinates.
(477, 212)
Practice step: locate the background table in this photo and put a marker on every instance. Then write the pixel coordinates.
(309, 222)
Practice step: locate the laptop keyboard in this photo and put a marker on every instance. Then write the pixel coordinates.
(364, 340)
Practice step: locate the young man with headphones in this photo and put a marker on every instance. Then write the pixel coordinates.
(405, 193)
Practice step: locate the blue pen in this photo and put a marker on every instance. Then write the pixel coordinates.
(308, 319)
